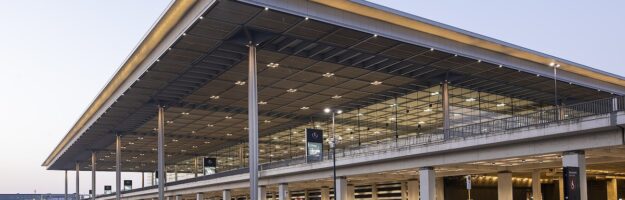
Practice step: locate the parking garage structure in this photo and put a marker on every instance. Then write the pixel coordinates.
(416, 109)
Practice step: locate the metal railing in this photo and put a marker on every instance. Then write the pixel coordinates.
(536, 119)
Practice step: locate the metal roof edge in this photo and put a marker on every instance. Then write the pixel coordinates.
(389, 15)
(165, 23)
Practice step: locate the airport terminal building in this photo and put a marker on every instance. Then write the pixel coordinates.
(345, 100)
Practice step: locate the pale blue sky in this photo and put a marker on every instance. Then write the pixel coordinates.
(56, 56)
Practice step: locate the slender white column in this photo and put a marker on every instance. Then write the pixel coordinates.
(142, 179)
(118, 166)
(404, 191)
(612, 189)
(161, 152)
(195, 166)
(440, 188)
(374, 192)
(226, 195)
(93, 167)
(77, 181)
(340, 192)
(325, 193)
(536, 190)
(577, 159)
(199, 196)
(175, 172)
(262, 193)
(283, 191)
(427, 185)
(66, 197)
(504, 185)
(178, 197)
(252, 103)
(412, 186)
(350, 193)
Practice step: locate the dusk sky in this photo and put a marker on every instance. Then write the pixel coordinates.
(56, 56)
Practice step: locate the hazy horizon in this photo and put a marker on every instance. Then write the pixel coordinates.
(57, 56)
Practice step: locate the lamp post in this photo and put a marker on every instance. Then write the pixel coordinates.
(333, 143)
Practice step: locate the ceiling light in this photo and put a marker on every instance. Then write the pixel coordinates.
(215, 97)
(500, 66)
(245, 128)
(306, 18)
(291, 90)
(428, 110)
(131, 143)
(470, 99)
(273, 65)
(304, 108)
(375, 35)
(501, 104)
(207, 142)
(336, 97)
(326, 110)
(266, 8)
(201, 17)
(184, 113)
(348, 129)
(228, 134)
(140, 138)
(434, 93)
(339, 111)
(228, 117)
(174, 140)
(552, 64)
(182, 150)
(192, 131)
(154, 149)
(328, 74)
(210, 125)
(240, 83)
(267, 121)
(391, 119)
(431, 49)
(376, 132)
(262, 102)
(421, 122)
(170, 122)
(376, 83)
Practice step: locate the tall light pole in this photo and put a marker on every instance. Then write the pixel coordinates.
(333, 145)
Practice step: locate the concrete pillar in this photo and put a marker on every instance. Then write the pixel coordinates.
(283, 191)
(178, 197)
(412, 187)
(142, 179)
(427, 183)
(350, 193)
(325, 193)
(340, 192)
(199, 196)
(440, 188)
(262, 192)
(561, 188)
(612, 189)
(374, 192)
(446, 111)
(226, 195)
(577, 159)
(504, 185)
(536, 190)
(404, 191)
(306, 196)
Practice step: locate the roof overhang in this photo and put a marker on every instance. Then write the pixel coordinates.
(182, 14)
(361, 7)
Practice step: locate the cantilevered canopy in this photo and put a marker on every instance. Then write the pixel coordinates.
(386, 87)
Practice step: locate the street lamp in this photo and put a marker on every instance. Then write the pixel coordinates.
(333, 143)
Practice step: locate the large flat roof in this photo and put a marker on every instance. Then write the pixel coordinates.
(190, 57)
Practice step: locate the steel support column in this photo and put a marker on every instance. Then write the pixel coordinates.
(283, 191)
(536, 190)
(93, 167)
(195, 166)
(161, 152)
(118, 166)
(66, 197)
(77, 181)
(446, 120)
(427, 183)
(252, 102)
(142, 179)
